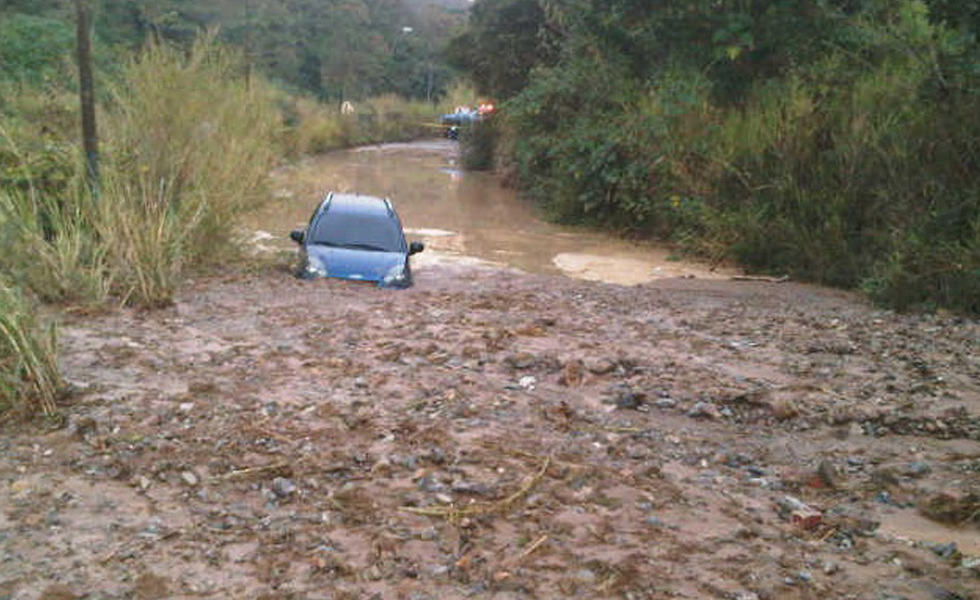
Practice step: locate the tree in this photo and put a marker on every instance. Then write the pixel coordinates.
(503, 42)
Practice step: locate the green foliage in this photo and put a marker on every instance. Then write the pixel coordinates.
(833, 141)
(34, 49)
(477, 142)
(332, 49)
(187, 148)
(501, 45)
(29, 377)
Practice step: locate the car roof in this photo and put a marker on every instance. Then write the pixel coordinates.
(359, 204)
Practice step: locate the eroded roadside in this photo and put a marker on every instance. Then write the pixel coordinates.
(500, 435)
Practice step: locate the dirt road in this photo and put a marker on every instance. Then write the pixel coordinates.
(490, 434)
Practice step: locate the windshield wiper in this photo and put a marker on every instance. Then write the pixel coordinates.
(364, 247)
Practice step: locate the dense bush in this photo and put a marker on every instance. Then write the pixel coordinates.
(848, 159)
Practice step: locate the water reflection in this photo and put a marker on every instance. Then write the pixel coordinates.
(462, 216)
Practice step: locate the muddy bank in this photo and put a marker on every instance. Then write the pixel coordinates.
(489, 434)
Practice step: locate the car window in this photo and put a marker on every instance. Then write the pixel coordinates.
(366, 232)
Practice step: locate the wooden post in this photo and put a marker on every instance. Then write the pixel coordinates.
(86, 86)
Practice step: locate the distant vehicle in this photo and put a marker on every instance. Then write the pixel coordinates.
(465, 115)
(352, 236)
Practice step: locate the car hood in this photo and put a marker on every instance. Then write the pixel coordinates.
(360, 265)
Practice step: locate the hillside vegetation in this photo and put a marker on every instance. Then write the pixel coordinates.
(835, 141)
(196, 103)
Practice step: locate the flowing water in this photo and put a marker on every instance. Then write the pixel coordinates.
(462, 216)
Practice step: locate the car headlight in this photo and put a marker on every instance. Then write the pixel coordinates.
(396, 276)
(314, 268)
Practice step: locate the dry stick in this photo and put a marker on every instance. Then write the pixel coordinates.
(782, 279)
(452, 512)
(254, 471)
(530, 549)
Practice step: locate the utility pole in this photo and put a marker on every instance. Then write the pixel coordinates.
(86, 86)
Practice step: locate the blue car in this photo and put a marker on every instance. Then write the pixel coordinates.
(357, 237)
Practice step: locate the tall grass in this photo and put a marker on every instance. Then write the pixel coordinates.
(192, 146)
(29, 378)
(187, 147)
(313, 127)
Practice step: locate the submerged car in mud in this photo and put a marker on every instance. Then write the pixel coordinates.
(352, 236)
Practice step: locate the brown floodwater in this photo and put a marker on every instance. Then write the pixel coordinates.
(461, 216)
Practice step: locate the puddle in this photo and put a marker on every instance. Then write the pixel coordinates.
(462, 216)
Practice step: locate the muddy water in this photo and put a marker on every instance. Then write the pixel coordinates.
(462, 216)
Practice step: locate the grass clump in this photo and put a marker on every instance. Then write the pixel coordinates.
(29, 377)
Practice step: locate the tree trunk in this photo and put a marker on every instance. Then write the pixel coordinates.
(90, 140)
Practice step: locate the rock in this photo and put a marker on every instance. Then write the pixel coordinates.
(82, 426)
(600, 366)
(704, 410)
(572, 374)
(799, 513)
(382, 468)
(430, 484)
(945, 550)
(584, 576)
(521, 360)
(151, 587)
(528, 383)
(474, 489)
(827, 475)
(626, 399)
(58, 591)
(665, 403)
(916, 469)
(655, 521)
(283, 487)
(190, 478)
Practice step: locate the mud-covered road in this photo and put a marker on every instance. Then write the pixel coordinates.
(492, 434)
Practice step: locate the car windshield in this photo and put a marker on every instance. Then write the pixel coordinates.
(360, 231)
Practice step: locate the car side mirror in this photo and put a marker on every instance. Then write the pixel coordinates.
(415, 248)
(297, 235)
